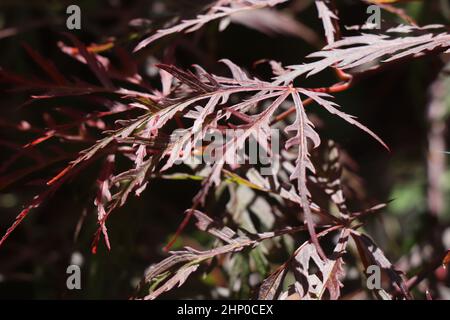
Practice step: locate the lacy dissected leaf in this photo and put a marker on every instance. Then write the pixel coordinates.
(104, 194)
(313, 285)
(332, 108)
(371, 254)
(177, 279)
(133, 180)
(356, 51)
(137, 180)
(333, 270)
(282, 193)
(38, 200)
(182, 263)
(122, 133)
(328, 19)
(168, 126)
(313, 276)
(216, 90)
(304, 131)
(207, 101)
(221, 9)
